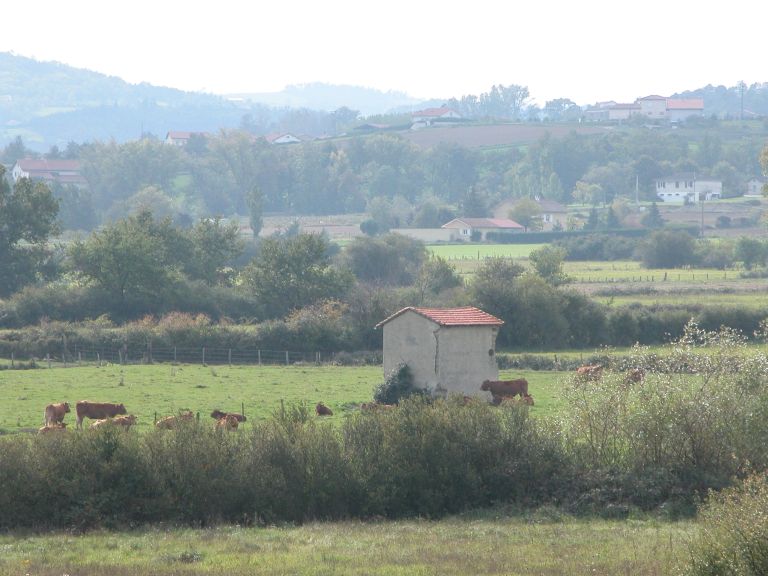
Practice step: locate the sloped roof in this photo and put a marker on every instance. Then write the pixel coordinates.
(652, 97)
(498, 223)
(434, 112)
(44, 165)
(466, 316)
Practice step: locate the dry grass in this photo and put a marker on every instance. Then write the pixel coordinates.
(456, 546)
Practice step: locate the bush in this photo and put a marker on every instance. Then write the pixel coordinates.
(734, 532)
(397, 385)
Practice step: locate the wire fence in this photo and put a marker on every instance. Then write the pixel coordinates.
(77, 356)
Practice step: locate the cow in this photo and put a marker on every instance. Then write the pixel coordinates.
(227, 422)
(503, 388)
(54, 413)
(589, 372)
(526, 400)
(323, 410)
(172, 422)
(218, 415)
(124, 421)
(97, 410)
(53, 427)
(634, 375)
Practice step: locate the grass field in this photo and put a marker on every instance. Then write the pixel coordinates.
(164, 389)
(489, 544)
(479, 251)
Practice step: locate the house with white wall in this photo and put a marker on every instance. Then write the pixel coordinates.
(448, 350)
(482, 226)
(686, 187)
(49, 170)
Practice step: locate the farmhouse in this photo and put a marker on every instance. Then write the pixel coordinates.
(552, 213)
(181, 138)
(682, 188)
(480, 227)
(61, 171)
(448, 350)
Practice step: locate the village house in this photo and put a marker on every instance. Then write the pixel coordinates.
(553, 214)
(180, 138)
(282, 138)
(755, 188)
(448, 350)
(686, 188)
(478, 228)
(49, 170)
(429, 116)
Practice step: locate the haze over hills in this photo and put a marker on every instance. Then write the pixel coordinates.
(48, 103)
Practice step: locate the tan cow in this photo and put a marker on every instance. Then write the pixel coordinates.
(97, 410)
(589, 371)
(218, 415)
(323, 410)
(228, 422)
(173, 422)
(54, 413)
(123, 421)
(53, 427)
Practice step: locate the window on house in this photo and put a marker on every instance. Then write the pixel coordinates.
(677, 184)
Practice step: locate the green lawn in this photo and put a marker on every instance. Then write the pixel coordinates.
(492, 544)
(479, 251)
(147, 390)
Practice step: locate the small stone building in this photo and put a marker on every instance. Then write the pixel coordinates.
(448, 350)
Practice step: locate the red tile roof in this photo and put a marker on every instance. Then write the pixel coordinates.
(685, 104)
(43, 165)
(466, 316)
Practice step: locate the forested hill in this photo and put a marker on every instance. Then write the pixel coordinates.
(724, 102)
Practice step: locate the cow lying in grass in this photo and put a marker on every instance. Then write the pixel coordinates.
(323, 410)
(122, 421)
(53, 427)
(589, 372)
(173, 422)
(218, 415)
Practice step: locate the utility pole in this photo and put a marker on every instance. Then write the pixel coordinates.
(741, 92)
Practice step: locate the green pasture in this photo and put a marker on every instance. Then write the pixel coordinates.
(744, 300)
(493, 543)
(631, 271)
(149, 390)
(480, 251)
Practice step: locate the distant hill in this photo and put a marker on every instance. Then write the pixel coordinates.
(329, 97)
(725, 101)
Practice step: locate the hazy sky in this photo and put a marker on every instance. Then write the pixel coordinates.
(588, 51)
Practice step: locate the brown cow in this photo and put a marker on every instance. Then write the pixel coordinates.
(590, 371)
(97, 410)
(634, 375)
(53, 427)
(124, 421)
(54, 413)
(218, 415)
(227, 422)
(503, 388)
(323, 410)
(526, 400)
(172, 422)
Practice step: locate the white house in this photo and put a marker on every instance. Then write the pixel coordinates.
(755, 188)
(427, 117)
(62, 171)
(448, 350)
(282, 138)
(682, 188)
(654, 107)
(680, 109)
(482, 226)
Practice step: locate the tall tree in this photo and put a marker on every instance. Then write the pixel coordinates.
(527, 213)
(27, 219)
(215, 245)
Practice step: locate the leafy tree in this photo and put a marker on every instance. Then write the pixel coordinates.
(548, 263)
(255, 202)
(764, 165)
(750, 252)
(527, 213)
(392, 260)
(473, 205)
(652, 218)
(291, 273)
(131, 260)
(668, 249)
(587, 193)
(76, 211)
(611, 219)
(15, 150)
(593, 221)
(432, 215)
(27, 219)
(436, 275)
(369, 227)
(215, 245)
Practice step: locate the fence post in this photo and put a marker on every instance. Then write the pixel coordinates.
(120, 354)
(229, 357)
(259, 355)
(149, 350)
(79, 358)
(174, 354)
(98, 359)
(242, 408)
(64, 351)
(48, 358)
(12, 360)
(203, 355)
(287, 361)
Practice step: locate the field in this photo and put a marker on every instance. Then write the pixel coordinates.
(478, 251)
(491, 543)
(149, 390)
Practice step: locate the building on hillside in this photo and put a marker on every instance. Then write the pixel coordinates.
(650, 107)
(429, 116)
(755, 188)
(621, 112)
(654, 107)
(679, 109)
(429, 235)
(180, 138)
(282, 138)
(686, 188)
(448, 350)
(480, 227)
(552, 213)
(61, 171)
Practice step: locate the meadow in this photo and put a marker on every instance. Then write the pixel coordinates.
(162, 389)
(471, 252)
(489, 542)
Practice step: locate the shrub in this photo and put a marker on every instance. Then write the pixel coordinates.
(734, 532)
(397, 385)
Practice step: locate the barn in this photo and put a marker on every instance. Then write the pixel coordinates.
(448, 350)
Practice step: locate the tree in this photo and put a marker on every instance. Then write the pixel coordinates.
(473, 205)
(548, 263)
(751, 252)
(611, 219)
(255, 202)
(764, 165)
(291, 273)
(586, 193)
(652, 218)
(131, 260)
(215, 245)
(593, 221)
(436, 275)
(668, 249)
(527, 213)
(27, 219)
(392, 260)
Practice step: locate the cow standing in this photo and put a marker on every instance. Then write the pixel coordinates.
(589, 372)
(218, 415)
(501, 389)
(54, 413)
(97, 411)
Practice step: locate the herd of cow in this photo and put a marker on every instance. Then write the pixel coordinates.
(109, 414)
